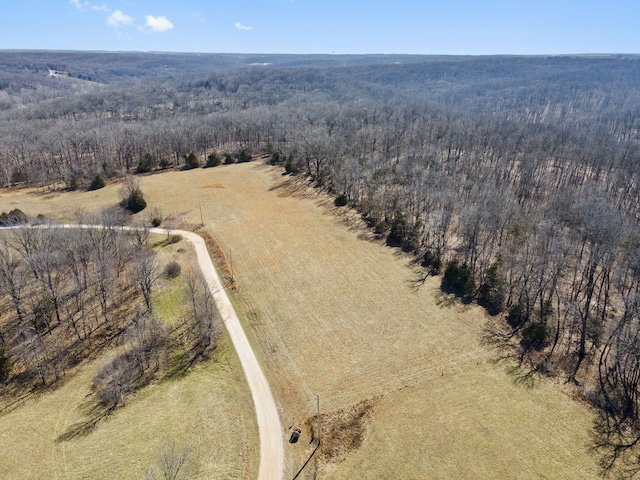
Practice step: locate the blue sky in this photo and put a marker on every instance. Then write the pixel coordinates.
(472, 27)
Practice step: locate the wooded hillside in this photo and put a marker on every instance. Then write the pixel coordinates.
(516, 177)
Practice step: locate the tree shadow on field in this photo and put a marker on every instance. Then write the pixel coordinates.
(420, 275)
(184, 355)
(16, 400)
(94, 414)
(520, 366)
(525, 375)
(417, 280)
(294, 186)
(353, 221)
(446, 300)
(617, 444)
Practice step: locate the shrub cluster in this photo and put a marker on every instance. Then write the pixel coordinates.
(146, 163)
(534, 336)
(459, 279)
(97, 183)
(213, 160)
(341, 200)
(243, 156)
(191, 161)
(136, 202)
(14, 217)
(433, 261)
(493, 292)
(172, 270)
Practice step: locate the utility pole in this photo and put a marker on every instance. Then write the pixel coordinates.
(201, 217)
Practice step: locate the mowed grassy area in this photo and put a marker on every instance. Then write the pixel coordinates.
(335, 314)
(208, 412)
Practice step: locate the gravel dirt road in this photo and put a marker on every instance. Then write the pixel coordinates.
(270, 429)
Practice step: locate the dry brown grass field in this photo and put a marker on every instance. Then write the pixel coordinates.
(407, 388)
(208, 412)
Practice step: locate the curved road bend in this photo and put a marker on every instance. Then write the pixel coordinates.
(269, 428)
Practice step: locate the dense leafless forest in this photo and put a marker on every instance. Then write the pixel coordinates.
(516, 177)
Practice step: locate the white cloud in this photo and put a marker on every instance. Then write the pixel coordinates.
(101, 8)
(158, 24)
(119, 19)
(78, 4)
(240, 26)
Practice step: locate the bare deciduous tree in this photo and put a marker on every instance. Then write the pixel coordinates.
(143, 343)
(205, 327)
(145, 271)
(173, 464)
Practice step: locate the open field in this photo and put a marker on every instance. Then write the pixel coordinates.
(335, 315)
(209, 412)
